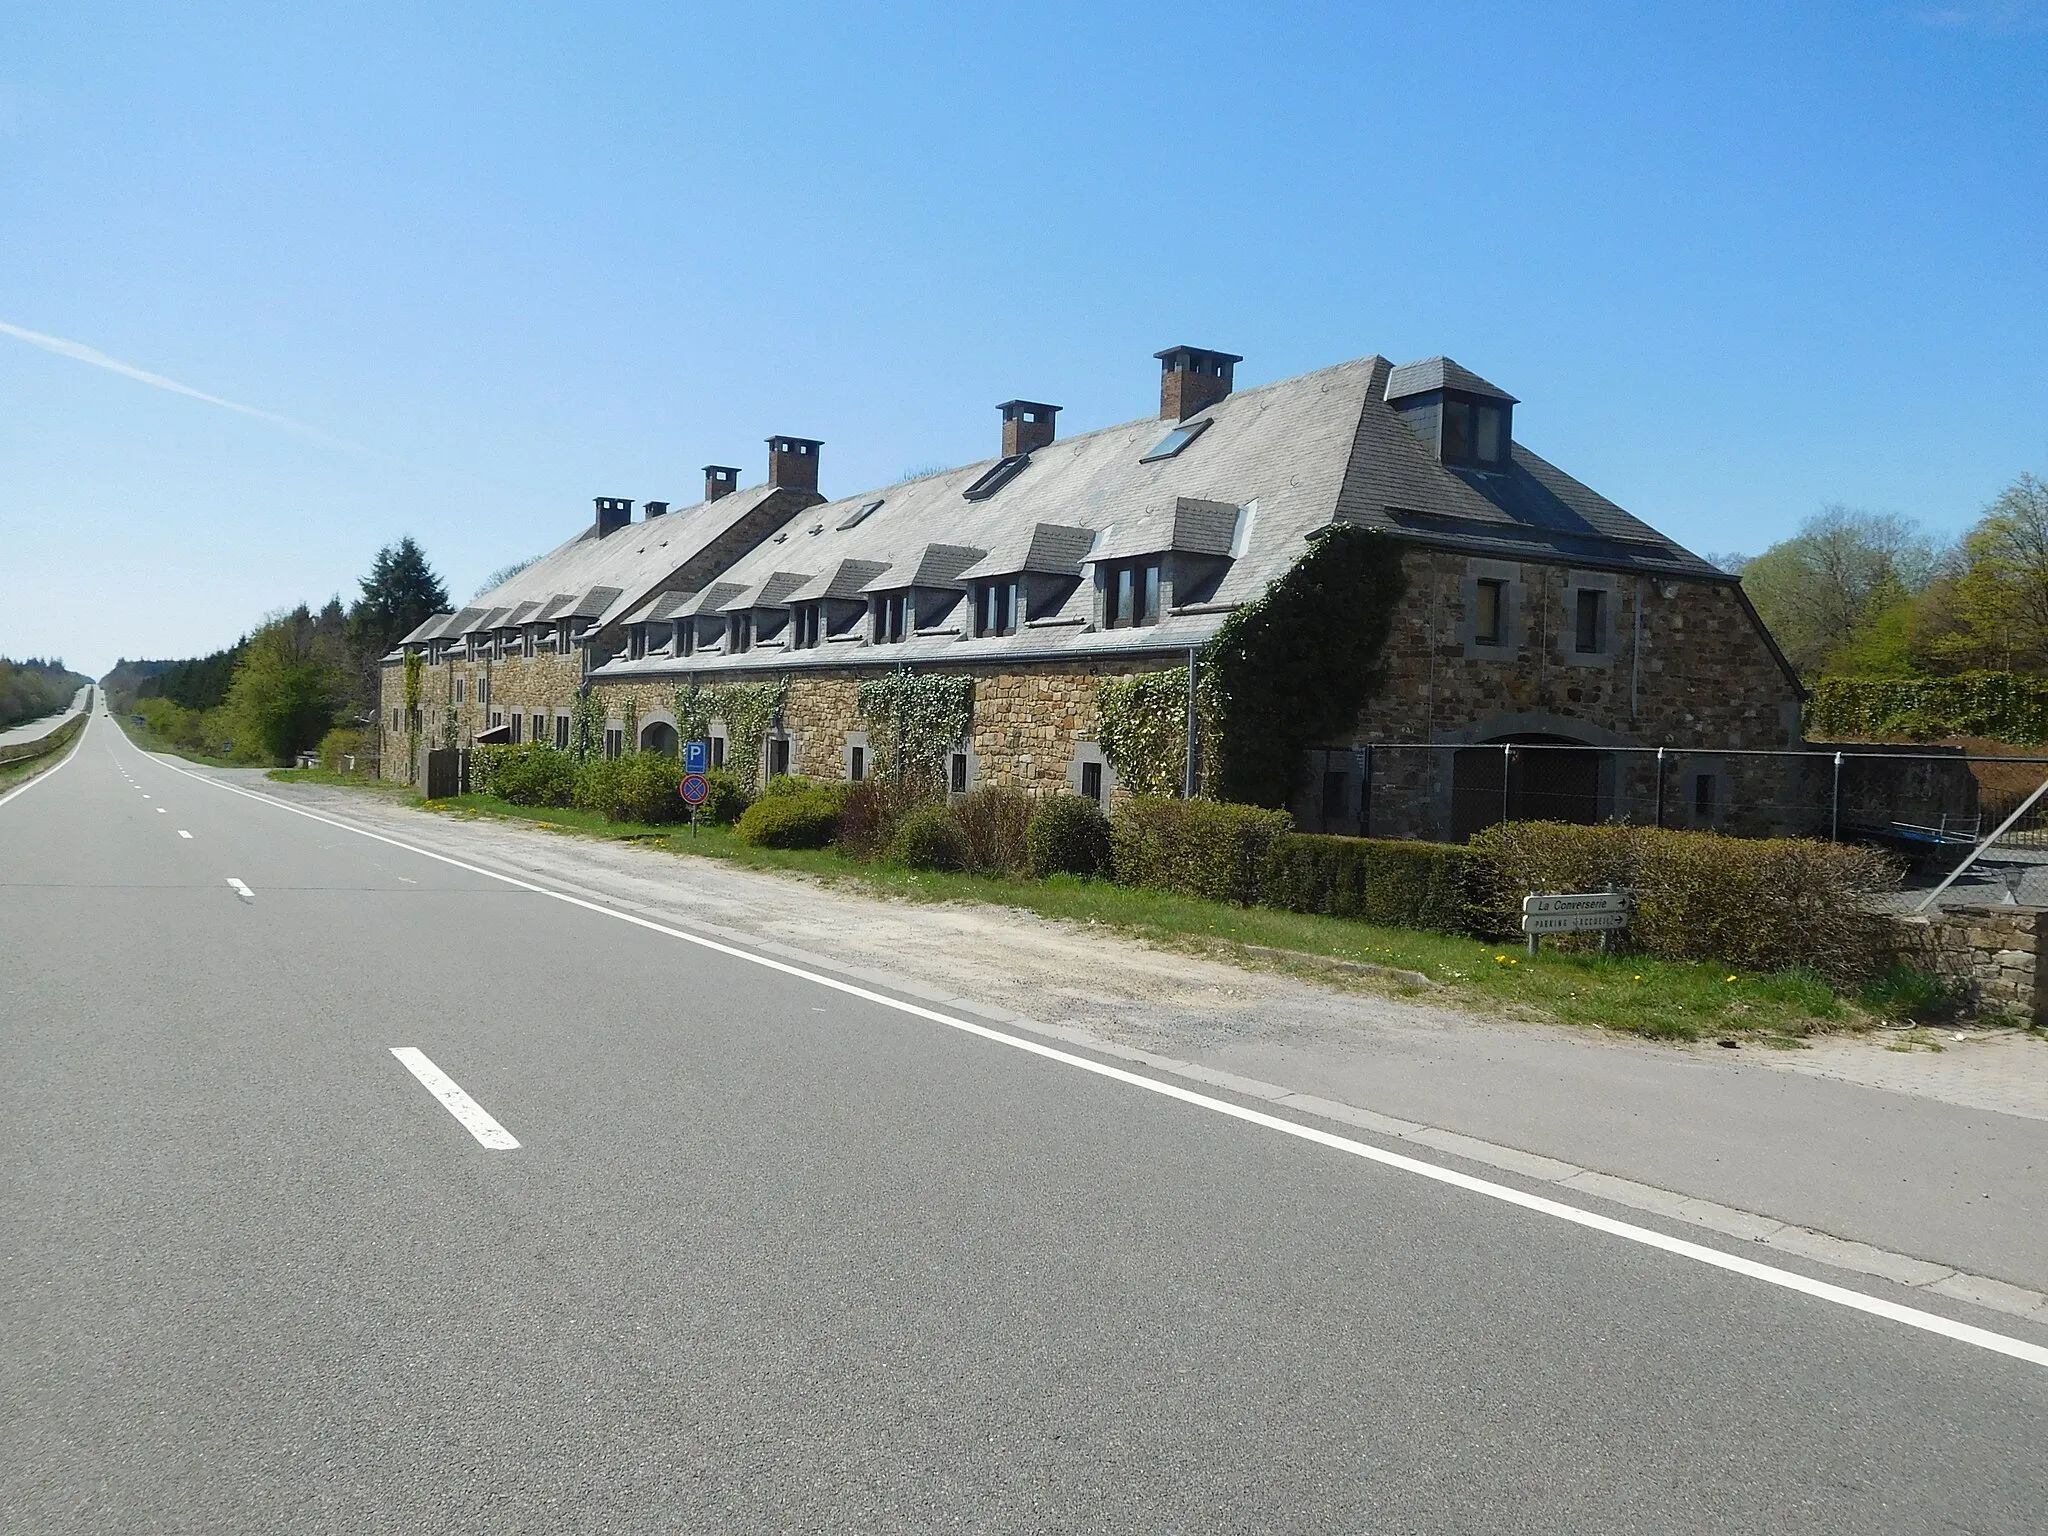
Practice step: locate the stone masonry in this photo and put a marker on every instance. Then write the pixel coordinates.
(1990, 953)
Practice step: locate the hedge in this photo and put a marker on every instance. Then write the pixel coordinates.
(1067, 835)
(1764, 904)
(1207, 848)
(2005, 706)
(1376, 880)
(803, 818)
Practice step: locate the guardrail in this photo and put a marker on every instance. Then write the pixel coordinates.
(43, 746)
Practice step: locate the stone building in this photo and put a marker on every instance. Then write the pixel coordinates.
(1544, 629)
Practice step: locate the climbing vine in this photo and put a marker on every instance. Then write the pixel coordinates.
(1144, 729)
(630, 718)
(921, 715)
(748, 710)
(1296, 666)
(415, 687)
(586, 725)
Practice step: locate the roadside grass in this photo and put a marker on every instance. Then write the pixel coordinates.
(1634, 995)
(360, 781)
(149, 741)
(22, 769)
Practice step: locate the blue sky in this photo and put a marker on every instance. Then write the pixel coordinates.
(471, 266)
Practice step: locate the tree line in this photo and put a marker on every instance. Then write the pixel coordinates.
(1858, 594)
(33, 688)
(298, 679)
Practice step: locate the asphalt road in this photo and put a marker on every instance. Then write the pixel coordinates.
(773, 1256)
(36, 730)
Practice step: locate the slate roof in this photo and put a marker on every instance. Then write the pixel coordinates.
(1440, 373)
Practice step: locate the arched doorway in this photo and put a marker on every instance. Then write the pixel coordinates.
(1524, 778)
(659, 736)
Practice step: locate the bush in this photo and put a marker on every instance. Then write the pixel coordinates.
(1067, 835)
(642, 786)
(787, 784)
(805, 819)
(992, 823)
(345, 741)
(728, 799)
(1377, 880)
(1207, 848)
(929, 838)
(1774, 904)
(869, 813)
(2005, 706)
(530, 775)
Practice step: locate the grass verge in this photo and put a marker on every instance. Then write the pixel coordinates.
(149, 741)
(1652, 998)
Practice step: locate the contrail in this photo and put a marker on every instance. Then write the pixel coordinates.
(84, 354)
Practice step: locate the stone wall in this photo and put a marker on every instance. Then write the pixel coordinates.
(544, 685)
(1990, 953)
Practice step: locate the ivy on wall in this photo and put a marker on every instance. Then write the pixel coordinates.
(2005, 706)
(415, 689)
(748, 710)
(586, 725)
(630, 718)
(1145, 729)
(1296, 667)
(914, 720)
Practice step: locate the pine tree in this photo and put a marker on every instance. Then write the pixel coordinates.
(400, 593)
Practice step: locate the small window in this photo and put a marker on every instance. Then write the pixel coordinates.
(778, 757)
(458, 690)
(739, 633)
(1489, 612)
(1176, 440)
(614, 741)
(483, 689)
(718, 751)
(891, 613)
(998, 475)
(805, 624)
(1457, 441)
(518, 725)
(395, 727)
(686, 637)
(867, 510)
(1703, 797)
(857, 764)
(956, 778)
(562, 732)
(1130, 594)
(540, 729)
(526, 642)
(497, 718)
(1091, 782)
(1592, 616)
(1487, 444)
(995, 608)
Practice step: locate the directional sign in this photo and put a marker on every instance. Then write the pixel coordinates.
(1590, 901)
(695, 789)
(696, 756)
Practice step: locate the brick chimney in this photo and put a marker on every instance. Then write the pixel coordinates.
(1026, 425)
(613, 513)
(720, 480)
(793, 463)
(655, 509)
(1191, 380)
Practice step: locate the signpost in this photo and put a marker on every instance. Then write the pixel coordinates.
(695, 789)
(1601, 912)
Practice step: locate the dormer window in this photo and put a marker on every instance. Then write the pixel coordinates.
(1130, 593)
(889, 613)
(739, 633)
(806, 626)
(1474, 431)
(995, 608)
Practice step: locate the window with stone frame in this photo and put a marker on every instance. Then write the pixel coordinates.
(1589, 621)
(1489, 611)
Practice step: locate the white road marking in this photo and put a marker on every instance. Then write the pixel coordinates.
(1821, 1290)
(242, 890)
(161, 811)
(183, 833)
(443, 1087)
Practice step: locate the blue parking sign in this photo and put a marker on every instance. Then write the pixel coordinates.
(696, 757)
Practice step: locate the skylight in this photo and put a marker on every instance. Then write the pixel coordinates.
(998, 475)
(866, 511)
(1176, 440)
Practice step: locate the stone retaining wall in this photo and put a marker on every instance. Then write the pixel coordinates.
(1991, 953)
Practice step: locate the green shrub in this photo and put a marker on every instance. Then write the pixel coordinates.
(1762, 904)
(787, 784)
(1067, 835)
(929, 838)
(806, 819)
(344, 742)
(2005, 706)
(530, 775)
(728, 800)
(992, 822)
(1207, 848)
(642, 786)
(1378, 880)
(869, 813)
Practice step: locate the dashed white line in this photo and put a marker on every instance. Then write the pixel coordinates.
(1769, 1274)
(475, 1119)
(183, 833)
(242, 890)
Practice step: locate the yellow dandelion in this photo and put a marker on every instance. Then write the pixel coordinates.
(1731, 978)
